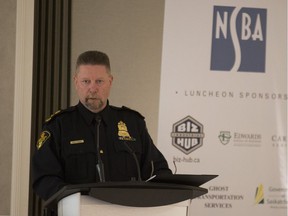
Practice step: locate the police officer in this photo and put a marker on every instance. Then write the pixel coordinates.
(93, 141)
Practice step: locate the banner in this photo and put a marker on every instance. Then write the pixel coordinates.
(223, 102)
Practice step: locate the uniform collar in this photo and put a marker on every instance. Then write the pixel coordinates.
(89, 116)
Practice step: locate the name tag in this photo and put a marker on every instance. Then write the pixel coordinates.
(73, 142)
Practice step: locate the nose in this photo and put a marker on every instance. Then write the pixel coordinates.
(93, 87)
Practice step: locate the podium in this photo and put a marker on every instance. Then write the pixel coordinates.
(164, 195)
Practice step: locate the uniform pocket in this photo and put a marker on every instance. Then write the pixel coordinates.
(80, 168)
(79, 161)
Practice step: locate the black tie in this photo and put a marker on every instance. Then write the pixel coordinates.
(99, 165)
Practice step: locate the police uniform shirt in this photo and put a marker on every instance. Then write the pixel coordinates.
(67, 154)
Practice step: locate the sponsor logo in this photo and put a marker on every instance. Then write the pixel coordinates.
(259, 195)
(187, 135)
(238, 39)
(224, 137)
(240, 138)
(279, 141)
(275, 197)
(220, 197)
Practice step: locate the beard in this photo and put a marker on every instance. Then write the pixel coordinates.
(94, 104)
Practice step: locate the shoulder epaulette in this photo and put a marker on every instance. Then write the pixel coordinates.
(59, 112)
(124, 108)
(134, 111)
(116, 108)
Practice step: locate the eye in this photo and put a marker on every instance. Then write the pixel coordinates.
(85, 82)
(99, 82)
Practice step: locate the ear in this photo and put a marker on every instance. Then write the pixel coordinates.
(111, 80)
(75, 80)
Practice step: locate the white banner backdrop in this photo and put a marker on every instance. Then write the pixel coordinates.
(223, 102)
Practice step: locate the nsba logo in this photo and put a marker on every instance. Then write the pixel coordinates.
(187, 135)
(239, 39)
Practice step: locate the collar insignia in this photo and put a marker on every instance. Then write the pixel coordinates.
(43, 137)
(123, 133)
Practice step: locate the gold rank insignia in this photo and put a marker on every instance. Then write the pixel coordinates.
(47, 120)
(123, 133)
(43, 137)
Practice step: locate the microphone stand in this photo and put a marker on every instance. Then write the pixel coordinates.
(136, 160)
(99, 165)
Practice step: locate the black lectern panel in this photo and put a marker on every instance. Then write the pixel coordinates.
(193, 180)
(142, 194)
(165, 190)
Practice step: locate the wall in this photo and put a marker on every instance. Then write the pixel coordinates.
(7, 61)
(130, 32)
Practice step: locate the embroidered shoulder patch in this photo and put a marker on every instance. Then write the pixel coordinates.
(43, 137)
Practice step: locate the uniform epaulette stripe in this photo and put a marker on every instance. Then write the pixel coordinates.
(57, 113)
(53, 115)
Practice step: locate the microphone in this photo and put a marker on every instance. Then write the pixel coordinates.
(135, 158)
(174, 162)
(99, 165)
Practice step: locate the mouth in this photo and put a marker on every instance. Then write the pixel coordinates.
(92, 98)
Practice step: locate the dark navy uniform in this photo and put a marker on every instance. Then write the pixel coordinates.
(66, 150)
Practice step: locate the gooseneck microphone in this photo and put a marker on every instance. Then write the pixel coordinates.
(135, 158)
(99, 165)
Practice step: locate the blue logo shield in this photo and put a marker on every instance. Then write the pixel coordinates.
(238, 39)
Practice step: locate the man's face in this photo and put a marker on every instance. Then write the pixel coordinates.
(93, 84)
